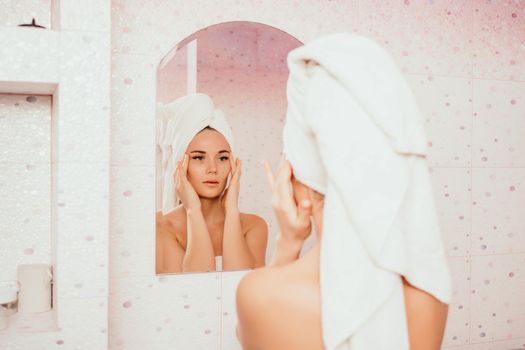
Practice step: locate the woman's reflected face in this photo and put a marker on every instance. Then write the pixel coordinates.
(209, 163)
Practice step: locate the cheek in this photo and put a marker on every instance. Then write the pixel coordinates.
(224, 169)
(194, 171)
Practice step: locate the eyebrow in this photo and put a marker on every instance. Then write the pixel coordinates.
(203, 152)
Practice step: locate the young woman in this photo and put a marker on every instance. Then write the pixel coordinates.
(279, 307)
(378, 276)
(206, 231)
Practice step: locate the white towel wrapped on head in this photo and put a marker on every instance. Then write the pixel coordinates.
(354, 133)
(181, 120)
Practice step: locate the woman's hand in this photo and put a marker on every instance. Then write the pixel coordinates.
(185, 191)
(230, 197)
(293, 219)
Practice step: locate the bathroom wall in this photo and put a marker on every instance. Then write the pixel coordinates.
(465, 61)
(25, 182)
(55, 153)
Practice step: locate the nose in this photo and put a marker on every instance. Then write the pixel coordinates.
(211, 167)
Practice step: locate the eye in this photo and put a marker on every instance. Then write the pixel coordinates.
(223, 158)
(197, 157)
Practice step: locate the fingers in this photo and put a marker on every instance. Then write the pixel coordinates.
(232, 166)
(238, 168)
(269, 173)
(176, 175)
(304, 210)
(185, 161)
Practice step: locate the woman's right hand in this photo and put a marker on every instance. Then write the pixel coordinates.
(293, 219)
(185, 191)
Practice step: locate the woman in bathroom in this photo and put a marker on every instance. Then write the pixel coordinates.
(377, 277)
(204, 229)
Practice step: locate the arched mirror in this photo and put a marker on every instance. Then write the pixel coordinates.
(221, 95)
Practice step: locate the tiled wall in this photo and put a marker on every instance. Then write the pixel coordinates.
(466, 63)
(25, 182)
(69, 61)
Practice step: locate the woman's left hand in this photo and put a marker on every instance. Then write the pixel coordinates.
(230, 197)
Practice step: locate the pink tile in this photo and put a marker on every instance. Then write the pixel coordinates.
(452, 195)
(498, 196)
(497, 302)
(498, 42)
(425, 37)
(446, 107)
(153, 28)
(498, 123)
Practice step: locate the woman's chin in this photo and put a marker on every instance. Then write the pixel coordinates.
(210, 193)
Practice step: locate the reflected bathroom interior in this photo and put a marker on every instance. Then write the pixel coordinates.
(246, 84)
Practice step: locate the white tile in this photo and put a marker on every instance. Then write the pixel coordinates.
(179, 311)
(230, 281)
(133, 109)
(446, 107)
(75, 319)
(497, 302)
(82, 230)
(83, 97)
(25, 129)
(452, 193)
(497, 137)
(457, 329)
(25, 210)
(23, 11)
(132, 221)
(94, 15)
(498, 196)
(29, 55)
(514, 344)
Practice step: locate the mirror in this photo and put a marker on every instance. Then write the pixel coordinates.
(221, 95)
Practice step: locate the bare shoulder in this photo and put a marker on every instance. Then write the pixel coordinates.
(172, 224)
(250, 221)
(278, 309)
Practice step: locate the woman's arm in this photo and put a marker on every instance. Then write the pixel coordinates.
(426, 318)
(239, 251)
(199, 254)
(235, 251)
(169, 254)
(286, 251)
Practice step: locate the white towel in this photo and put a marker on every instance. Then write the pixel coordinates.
(353, 132)
(182, 119)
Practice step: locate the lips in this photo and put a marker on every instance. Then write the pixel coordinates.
(211, 183)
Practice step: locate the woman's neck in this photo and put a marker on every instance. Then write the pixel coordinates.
(212, 210)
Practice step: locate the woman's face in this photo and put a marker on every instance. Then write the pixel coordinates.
(209, 163)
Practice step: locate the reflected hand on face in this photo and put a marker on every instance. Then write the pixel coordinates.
(230, 197)
(293, 219)
(185, 191)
